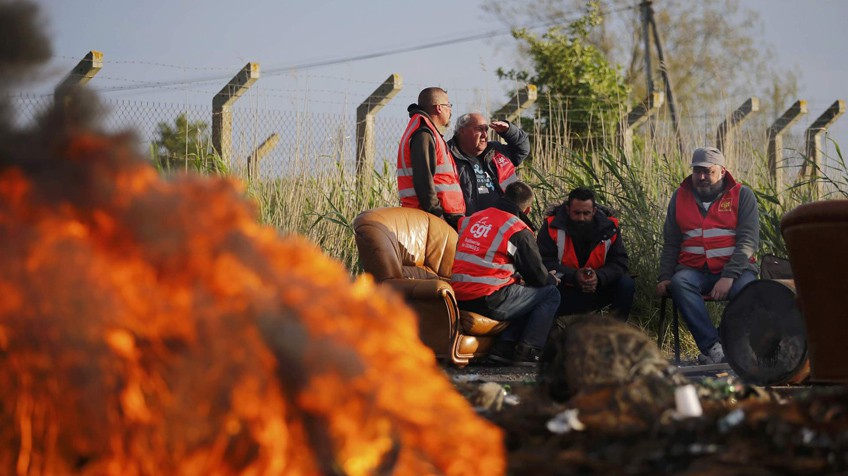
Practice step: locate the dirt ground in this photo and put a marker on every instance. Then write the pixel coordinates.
(636, 428)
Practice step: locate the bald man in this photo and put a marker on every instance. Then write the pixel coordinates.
(426, 173)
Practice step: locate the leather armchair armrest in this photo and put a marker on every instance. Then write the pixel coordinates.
(420, 288)
(435, 305)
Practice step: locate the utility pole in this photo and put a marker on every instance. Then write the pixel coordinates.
(646, 36)
(648, 22)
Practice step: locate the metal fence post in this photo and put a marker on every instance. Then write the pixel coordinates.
(775, 140)
(365, 112)
(636, 118)
(521, 100)
(81, 74)
(813, 143)
(727, 129)
(222, 114)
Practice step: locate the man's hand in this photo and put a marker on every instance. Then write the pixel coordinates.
(721, 289)
(553, 273)
(499, 126)
(662, 287)
(587, 280)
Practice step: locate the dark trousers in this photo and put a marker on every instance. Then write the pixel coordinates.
(530, 310)
(618, 295)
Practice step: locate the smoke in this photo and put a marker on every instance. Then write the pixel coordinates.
(23, 46)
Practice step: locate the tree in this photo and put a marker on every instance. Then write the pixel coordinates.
(185, 145)
(710, 47)
(582, 92)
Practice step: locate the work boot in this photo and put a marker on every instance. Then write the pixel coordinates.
(527, 356)
(502, 352)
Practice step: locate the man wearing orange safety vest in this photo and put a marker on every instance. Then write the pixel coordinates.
(582, 245)
(486, 167)
(498, 272)
(426, 173)
(711, 233)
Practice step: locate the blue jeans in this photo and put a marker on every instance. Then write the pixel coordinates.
(688, 286)
(619, 295)
(531, 311)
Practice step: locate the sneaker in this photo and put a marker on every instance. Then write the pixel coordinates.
(527, 356)
(502, 352)
(716, 353)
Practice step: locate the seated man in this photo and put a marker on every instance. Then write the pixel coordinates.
(494, 244)
(486, 167)
(582, 246)
(711, 233)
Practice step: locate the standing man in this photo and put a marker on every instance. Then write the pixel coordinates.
(711, 233)
(426, 173)
(486, 167)
(494, 244)
(582, 246)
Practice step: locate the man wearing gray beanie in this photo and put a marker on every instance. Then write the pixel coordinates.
(711, 233)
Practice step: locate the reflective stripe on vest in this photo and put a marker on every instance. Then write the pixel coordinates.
(505, 170)
(707, 240)
(445, 177)
(565, 247)
(483, 262)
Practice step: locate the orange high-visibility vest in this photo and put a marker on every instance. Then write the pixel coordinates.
(505, 170)
(565, 247)
(709, 239)
(483, 262)
(445, 177)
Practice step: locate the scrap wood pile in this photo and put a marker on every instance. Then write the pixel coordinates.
(605, 404)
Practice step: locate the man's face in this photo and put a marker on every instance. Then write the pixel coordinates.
(473, 137)
(707, 180)
(442, 112)
(581, 210)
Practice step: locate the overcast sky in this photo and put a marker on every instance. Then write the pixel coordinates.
(191, 40)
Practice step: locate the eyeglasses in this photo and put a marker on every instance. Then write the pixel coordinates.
(446, 104)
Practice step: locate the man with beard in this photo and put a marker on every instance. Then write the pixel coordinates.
(711, 233)
(486, 167)
(426, 173)
(581, 244)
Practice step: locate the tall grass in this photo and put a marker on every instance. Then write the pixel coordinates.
(321, 202)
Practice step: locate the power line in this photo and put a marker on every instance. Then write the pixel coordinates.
(316, 64)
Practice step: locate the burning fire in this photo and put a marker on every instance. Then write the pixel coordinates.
(151, 326)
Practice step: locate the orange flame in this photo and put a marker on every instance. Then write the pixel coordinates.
(151, 326)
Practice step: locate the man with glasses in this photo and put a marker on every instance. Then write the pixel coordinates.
(711, 233)
(426, 173)
(486, 167)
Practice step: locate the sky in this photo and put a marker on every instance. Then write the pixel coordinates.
(332, 54)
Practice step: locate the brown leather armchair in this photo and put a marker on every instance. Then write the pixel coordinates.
(412, 251)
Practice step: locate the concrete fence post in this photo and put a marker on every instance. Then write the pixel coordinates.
(365, 113)
(222, 114)
(775, 140)
(264, 148)
(813, 147)
(81, 74)
(635, 118)
(520, 101)
(727, 129)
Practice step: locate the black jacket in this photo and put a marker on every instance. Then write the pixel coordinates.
(516, 149)
(603, 228)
